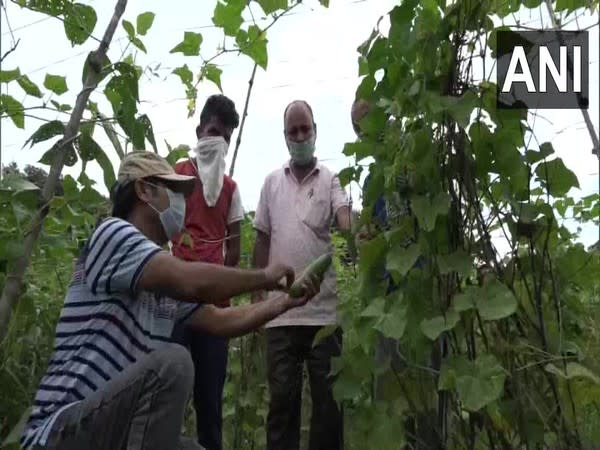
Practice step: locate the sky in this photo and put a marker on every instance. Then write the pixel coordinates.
(312, 56)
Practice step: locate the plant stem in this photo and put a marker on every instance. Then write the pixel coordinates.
(244, 115)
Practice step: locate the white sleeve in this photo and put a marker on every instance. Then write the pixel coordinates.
(236, 210)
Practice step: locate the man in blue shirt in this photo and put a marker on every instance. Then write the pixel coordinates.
(115, 380)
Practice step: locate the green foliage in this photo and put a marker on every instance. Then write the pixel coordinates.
(212, 73)
(190, 46)
(13, 109)
(9, 75)
(270, 6)
(556, 178)
(254, 44)
(29, 86)
(56, 83)
(79, 22)
(483, 330)
(45, 132)
(228, 16)
(478, 382)
(144, 22)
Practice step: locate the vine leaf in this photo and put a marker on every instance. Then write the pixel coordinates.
(29, 86)
(70, 156)
(360, 150)
(7, 76)
(348, 174)
(144, 22)
(228, 16)
(393, 323)
(375, 309)
(270, 6)
(534, 156)
(497, 302)
(190, 46)
(432, 328)
(466, 300)
(61, 107)
(179, 152)
(494, 300)
(144, 122)
(478, 382)
(138, 43)
(89, 150)
(13, 109)
(80, 21)
(483, 146)
(129, 28)
(378, 55)
(400, 260)
(15, 183)
(532, 4)
(374, 122)
(568, 5)
(185, 74)
(461, 108)
(254, 44)
(427, 209)
(556, 177)
(212, 73)
(45, 132)
(56, 83)
(458, 261)
(323, 333)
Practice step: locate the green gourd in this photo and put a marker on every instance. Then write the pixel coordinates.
(318, 267)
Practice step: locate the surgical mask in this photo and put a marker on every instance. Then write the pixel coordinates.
(173, 217)
(302, 152)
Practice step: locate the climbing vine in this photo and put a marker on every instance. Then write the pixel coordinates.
(490, 343)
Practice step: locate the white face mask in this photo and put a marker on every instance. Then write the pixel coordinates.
(210, 154)
(173, 217)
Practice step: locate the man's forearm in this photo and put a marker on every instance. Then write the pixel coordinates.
(220, 282)
(237, 321)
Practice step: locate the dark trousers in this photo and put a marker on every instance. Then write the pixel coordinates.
(209, 354)
(287, 350)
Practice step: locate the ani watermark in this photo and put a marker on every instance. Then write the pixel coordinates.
(542, 69)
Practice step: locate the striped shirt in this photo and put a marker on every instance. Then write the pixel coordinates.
(105, 324)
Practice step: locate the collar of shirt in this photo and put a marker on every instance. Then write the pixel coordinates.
(287, 169)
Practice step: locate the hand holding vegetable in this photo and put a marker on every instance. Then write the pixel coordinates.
(274, 274)
(310, 286)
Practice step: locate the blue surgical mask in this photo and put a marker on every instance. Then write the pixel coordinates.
(173, 217)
